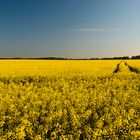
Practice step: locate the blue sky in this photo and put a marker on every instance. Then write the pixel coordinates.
(69, 28)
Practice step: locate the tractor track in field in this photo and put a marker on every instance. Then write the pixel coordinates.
(117, 69)
(131, 69)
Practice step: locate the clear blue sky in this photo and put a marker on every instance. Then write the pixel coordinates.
(69, 28)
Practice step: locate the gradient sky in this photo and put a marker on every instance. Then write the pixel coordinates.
(69, 28)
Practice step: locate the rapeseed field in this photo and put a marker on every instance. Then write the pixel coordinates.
(69, 99)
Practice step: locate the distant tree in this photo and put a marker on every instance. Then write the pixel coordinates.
(125, 57)
(136, 57)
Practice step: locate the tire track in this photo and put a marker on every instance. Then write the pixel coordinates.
(132, 69)
(117, 69)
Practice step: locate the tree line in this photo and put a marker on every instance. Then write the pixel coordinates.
(63, 58)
